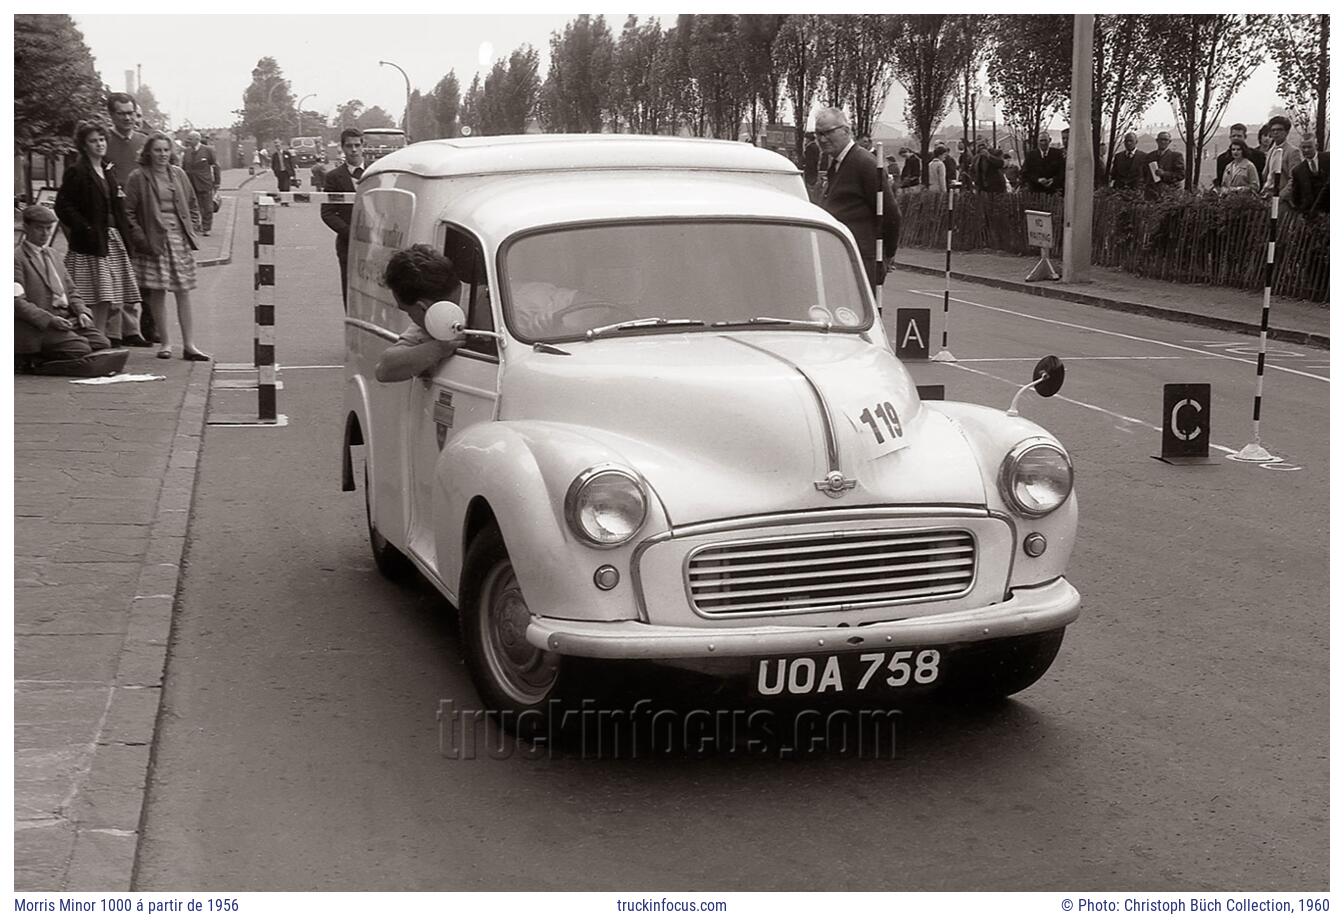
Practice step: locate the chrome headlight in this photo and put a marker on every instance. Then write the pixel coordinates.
(606, 505)
(1036, 478)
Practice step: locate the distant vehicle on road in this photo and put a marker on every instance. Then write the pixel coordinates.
(677, 432)
(307, 151)
(379, 142)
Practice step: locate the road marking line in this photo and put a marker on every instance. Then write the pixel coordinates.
(310, 367)
(1134, 338)
(1076, 402)
(1098, 358)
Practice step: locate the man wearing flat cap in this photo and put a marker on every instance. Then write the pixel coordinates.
(51, 322)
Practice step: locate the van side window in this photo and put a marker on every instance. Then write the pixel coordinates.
(469, 261)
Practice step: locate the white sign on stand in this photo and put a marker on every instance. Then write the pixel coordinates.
(1041, 233)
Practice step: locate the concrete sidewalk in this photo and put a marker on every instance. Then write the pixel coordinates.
(1217, 307)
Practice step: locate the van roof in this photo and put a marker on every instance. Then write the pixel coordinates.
(467, 156)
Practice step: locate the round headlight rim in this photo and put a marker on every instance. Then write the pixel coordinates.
(1009, 468)
(576, 488)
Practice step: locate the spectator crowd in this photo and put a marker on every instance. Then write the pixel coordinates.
(1299, 175)
(132, 209)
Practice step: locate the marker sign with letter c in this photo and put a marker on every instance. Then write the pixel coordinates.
(1185, 419)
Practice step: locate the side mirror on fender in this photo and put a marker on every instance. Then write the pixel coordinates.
(1047, 378)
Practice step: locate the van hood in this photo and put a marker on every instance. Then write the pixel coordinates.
(744, 423)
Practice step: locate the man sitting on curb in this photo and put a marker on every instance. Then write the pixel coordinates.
(54, 331)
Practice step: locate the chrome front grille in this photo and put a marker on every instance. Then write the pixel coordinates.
(831, 571)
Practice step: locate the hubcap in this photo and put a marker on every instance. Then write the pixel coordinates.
(527, 674)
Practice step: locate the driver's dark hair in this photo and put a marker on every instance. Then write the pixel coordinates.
(420, 273)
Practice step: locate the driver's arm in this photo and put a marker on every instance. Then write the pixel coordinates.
(405, 360)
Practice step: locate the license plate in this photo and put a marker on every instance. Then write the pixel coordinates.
(848, 672)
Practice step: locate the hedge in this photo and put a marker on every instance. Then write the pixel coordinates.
(1197, 238)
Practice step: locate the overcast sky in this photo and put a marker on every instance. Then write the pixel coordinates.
(199, 65)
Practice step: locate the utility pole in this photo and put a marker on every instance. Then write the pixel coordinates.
(1079, 165)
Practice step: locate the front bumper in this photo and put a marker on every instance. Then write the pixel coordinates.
(1029, 610)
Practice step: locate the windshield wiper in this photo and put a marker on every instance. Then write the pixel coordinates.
(639, 324)
(776, 321)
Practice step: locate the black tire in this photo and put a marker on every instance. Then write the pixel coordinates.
(516, 682)
(1002, 667)
(393, 565)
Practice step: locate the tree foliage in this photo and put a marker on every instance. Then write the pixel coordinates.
(268, 105)
(835, 82)
(757, 33)
(354, 114)
(508, 98)
(577, 91)
(446, 103)
(685, 104)
(928, 57)
(155, 119)
(1124, 81)
(715, 62)
(55, 83)
(1030, 66)
(973, 47)
(870, 44)
(798, 53)
(637, 95)
(1300, 44)
(1202, 60)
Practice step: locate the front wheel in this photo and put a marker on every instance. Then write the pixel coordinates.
(509, 673)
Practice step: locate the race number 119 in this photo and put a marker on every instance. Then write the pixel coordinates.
(886, 413)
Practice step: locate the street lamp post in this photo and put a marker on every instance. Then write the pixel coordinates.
(300, 108)
(408, 97)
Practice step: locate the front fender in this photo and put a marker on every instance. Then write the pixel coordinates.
(991, 433)
(522, 470)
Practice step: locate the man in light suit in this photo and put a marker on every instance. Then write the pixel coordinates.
(1283, 158)
(1309, 192)
(198, 161)
(1043, 168)
(852, 186)
(54, 330)
(343, 179)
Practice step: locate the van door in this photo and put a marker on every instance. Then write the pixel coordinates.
(463, 392)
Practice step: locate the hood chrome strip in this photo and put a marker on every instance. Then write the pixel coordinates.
(828, 428)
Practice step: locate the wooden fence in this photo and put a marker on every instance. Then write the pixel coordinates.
(1199, 238)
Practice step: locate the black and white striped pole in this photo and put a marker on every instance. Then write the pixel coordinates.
(263, 336)
(881, 198)
(945, 355)
(1254, 452)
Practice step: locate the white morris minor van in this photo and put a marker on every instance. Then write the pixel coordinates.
(677, 433)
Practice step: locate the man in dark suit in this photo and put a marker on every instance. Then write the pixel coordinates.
(852, 185)
(1310, 191)
(811, 164)
(343, 179)
(1237, 133)
(912, 171)
(989, 166)
(282, 164)
(1127, 165)
(1043, 168)
(1165, 170)
(53, 327)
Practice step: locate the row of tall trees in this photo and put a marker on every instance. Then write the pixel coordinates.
(710, 74)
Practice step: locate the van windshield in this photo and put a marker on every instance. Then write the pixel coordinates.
(561, 283)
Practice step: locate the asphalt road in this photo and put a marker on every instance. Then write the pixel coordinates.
(1179, 742)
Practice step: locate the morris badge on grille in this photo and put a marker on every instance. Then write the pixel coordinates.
(835, 484)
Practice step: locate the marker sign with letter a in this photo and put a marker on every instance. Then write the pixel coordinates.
(1185, 419)
(912, 334)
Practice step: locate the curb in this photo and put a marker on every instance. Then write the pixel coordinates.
(1313, 339)
(108, 812)
(226, 236)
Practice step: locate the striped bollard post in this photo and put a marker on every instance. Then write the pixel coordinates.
(263, 340)
(944, 355)
(881, 188)
(1254, 452)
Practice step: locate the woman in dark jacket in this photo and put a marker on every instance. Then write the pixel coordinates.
(90, 205)
(165, 218)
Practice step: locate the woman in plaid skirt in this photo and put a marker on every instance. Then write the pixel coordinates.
(90, 205)
(164, 219)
